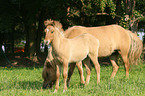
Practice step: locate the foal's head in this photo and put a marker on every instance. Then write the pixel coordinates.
(49, 34)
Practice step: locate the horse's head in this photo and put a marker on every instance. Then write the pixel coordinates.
(49, 75)
(49, 34)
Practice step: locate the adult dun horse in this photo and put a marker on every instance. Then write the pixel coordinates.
(113, 38)
(71, 50)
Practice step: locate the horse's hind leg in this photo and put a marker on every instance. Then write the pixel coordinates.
(96, 64)
(126, 61)
(80, 69)
(88, 69)
(113, 59)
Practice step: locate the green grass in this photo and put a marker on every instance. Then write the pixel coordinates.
(28, 82)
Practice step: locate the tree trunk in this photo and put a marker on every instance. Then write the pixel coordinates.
(134, 22)
(134, 25)
(82, 16)
(40, 30)
(130, 7)
(12, 41)
(31, 40)
(118, 10)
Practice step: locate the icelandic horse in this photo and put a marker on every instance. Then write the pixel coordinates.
(71, 51)
(113, 38)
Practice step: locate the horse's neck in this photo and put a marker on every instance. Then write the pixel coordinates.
(58, 38)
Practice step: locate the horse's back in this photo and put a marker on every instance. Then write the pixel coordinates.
(84, 40)
(111, 37)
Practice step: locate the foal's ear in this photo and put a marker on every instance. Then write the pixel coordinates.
(48, 22)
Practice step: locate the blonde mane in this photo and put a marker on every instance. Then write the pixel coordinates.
(59, 31)
(53, 23)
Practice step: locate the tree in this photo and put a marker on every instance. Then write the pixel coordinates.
(25, 17)
(7, 21)
(131, 14)
(90, 12)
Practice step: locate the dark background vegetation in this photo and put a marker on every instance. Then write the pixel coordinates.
(22, 20)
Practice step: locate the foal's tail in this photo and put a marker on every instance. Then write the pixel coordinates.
(136, 48)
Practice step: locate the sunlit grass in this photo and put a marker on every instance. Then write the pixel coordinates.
(28, 82)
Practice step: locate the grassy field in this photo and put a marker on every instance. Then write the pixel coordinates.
(28, 82)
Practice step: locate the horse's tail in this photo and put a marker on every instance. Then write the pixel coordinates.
(136, 48)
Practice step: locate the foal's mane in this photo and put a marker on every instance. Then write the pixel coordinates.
(58, 30)
(53, 23)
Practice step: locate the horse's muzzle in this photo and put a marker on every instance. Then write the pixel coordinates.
(45, 86)
(48, 85)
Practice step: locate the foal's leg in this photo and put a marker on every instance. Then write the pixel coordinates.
(88, 69)
(71, 70)
(113, 59)
(57, 78)
(65, 68)
(80, 69)
(97, 66)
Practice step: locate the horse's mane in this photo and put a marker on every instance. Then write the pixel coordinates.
(59, 31)
(53, 23)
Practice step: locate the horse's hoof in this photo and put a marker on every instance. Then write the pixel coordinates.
(64, 91)
(55, 91)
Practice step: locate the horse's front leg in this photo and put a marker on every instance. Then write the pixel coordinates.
(57, 78)
(65, 68)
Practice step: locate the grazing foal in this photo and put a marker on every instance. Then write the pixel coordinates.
(71, 51)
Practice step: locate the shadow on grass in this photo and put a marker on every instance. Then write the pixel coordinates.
(27, 85)
(22, 60)
(24, 85)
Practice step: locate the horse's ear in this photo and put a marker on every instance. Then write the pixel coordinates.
(57, 24)
(48, 22)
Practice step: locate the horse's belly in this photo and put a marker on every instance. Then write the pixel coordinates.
(104, 54)
(105, 51)
(78, 57)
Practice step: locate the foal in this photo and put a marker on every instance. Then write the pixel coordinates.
(71, 51)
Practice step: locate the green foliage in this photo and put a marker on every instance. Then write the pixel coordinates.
(135, 15)
(20, 17)
(98, 6)
(28, 81)
(124, 22)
